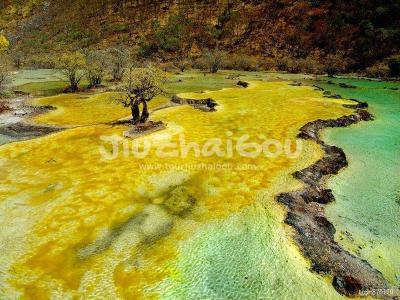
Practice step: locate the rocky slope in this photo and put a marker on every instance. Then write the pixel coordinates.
(364, 31)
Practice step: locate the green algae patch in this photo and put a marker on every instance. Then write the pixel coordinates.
(43, 89)
(66, 201)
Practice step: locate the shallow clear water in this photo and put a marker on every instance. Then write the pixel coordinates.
(76, 225)
(39, 75)
(5, 139)
(366, 213)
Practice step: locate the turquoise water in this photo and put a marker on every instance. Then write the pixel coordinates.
(39, 75)
(366, 213)
(244, 257)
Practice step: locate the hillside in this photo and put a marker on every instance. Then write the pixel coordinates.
(362, 32)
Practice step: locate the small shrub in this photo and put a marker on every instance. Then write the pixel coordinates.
(118, 59)
(6, 93)
(288, 64)
(268, 64)
(181, 64)
(214, 59)
(310, 65)
(241, 62)
(4, 74)
(95, 67)
(169, 67)
(147, 47)
(200, 63)
(4, 43)
(3, 107)
(378, 70)
(394, 65)
(41, 62)
(282, 64)
(334, 63)
(72, 66)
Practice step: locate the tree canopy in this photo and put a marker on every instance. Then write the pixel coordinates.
(72, 65)
(4, 43)
(141, 85)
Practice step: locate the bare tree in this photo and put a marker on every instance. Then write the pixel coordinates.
(335, 63)
(4, 44)
(4, 73)
(215, 60)
(181, 63)
(118, 60)
(95, 67)
(17, 57)
(4, 63)
(140, 86)
(72, 66)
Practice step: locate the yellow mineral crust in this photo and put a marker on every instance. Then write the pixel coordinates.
(74, 224)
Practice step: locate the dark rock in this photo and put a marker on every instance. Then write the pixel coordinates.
(335, 96)
(365, 115)
(285, 198)
(143, 128)
(24, 131)
(328, 94)
(243, 83)
(314, 232)
(347, 86)
(320, 269)
(358, 105)
(328, 226)
(4, 107)
(318, 88)
(347, 285)
(207, 104)
(20, 93)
